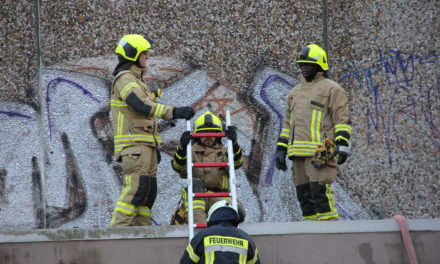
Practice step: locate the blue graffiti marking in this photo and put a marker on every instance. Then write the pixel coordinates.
(14, 114)
(401, 72)
(263, 93)
(52, 85)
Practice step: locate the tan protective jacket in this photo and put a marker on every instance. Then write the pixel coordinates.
(214, 178)
(314, 109)
(130, 127)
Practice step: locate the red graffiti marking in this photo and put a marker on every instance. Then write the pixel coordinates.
(84, 69)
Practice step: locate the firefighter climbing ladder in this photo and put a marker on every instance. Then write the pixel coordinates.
(190, 165)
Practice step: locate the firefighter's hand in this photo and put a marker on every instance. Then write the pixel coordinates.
(342, 150)
(185, 138)
(231, 133)
(281, 160)
(184, 112)
(159, 157)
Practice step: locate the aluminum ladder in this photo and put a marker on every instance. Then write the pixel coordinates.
(190, 165)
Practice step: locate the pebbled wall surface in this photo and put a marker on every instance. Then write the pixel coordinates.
(56, 59)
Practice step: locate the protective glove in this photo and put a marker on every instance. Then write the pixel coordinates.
(231, 133)
(185, 138)
(184, 112)
(281, 160)
(342, 150)
(159, 157)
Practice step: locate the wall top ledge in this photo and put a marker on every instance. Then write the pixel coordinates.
(255, 229)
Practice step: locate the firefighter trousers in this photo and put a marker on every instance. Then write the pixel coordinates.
(139, 190)
(314, 191)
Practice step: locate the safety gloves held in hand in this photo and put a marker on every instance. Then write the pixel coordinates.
(343, 144)
(184, 112)
(342, 150)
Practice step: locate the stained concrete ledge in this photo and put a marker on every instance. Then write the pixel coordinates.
(254, 229)
(370, 241)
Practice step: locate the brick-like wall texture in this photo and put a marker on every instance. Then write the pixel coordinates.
(56, 59)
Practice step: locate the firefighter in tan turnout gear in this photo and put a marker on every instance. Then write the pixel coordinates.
(317, 111)
(211, 179)
(134, 109)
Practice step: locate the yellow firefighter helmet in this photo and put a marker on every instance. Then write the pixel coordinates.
(208, 121)
(130, 46)
(313, 53)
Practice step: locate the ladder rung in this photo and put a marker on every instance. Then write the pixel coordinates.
(218, 194)
(210, 164)
(201, 225)
(200, 135)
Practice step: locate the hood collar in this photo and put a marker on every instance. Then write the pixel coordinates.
(319, 76)
(138, 72)
(125, 64)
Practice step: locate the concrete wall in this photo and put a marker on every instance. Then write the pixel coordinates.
(55, 133)
(369, 242)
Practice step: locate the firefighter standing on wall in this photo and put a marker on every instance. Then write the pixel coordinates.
(136, 137)
(222, 242)
(213, 179)
(317, 108)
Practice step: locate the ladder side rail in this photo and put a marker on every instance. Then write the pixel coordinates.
(190, 185)
(232, 180)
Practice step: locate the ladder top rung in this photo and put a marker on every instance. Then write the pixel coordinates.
(201, 225)
(210, 164)
(218, 194)
(208, 134)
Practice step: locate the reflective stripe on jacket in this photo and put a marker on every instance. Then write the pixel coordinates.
(313, 109)
(131, 127)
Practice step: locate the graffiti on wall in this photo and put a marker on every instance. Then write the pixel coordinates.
(399, 99)
(82, 181)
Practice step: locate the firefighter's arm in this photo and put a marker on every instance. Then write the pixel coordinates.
(339, 112)
(193, 251)
(134, 96)
(253, 257)
(231, 133)
(283, 139)
(238, 158)
(189, 256)
(179, 161)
